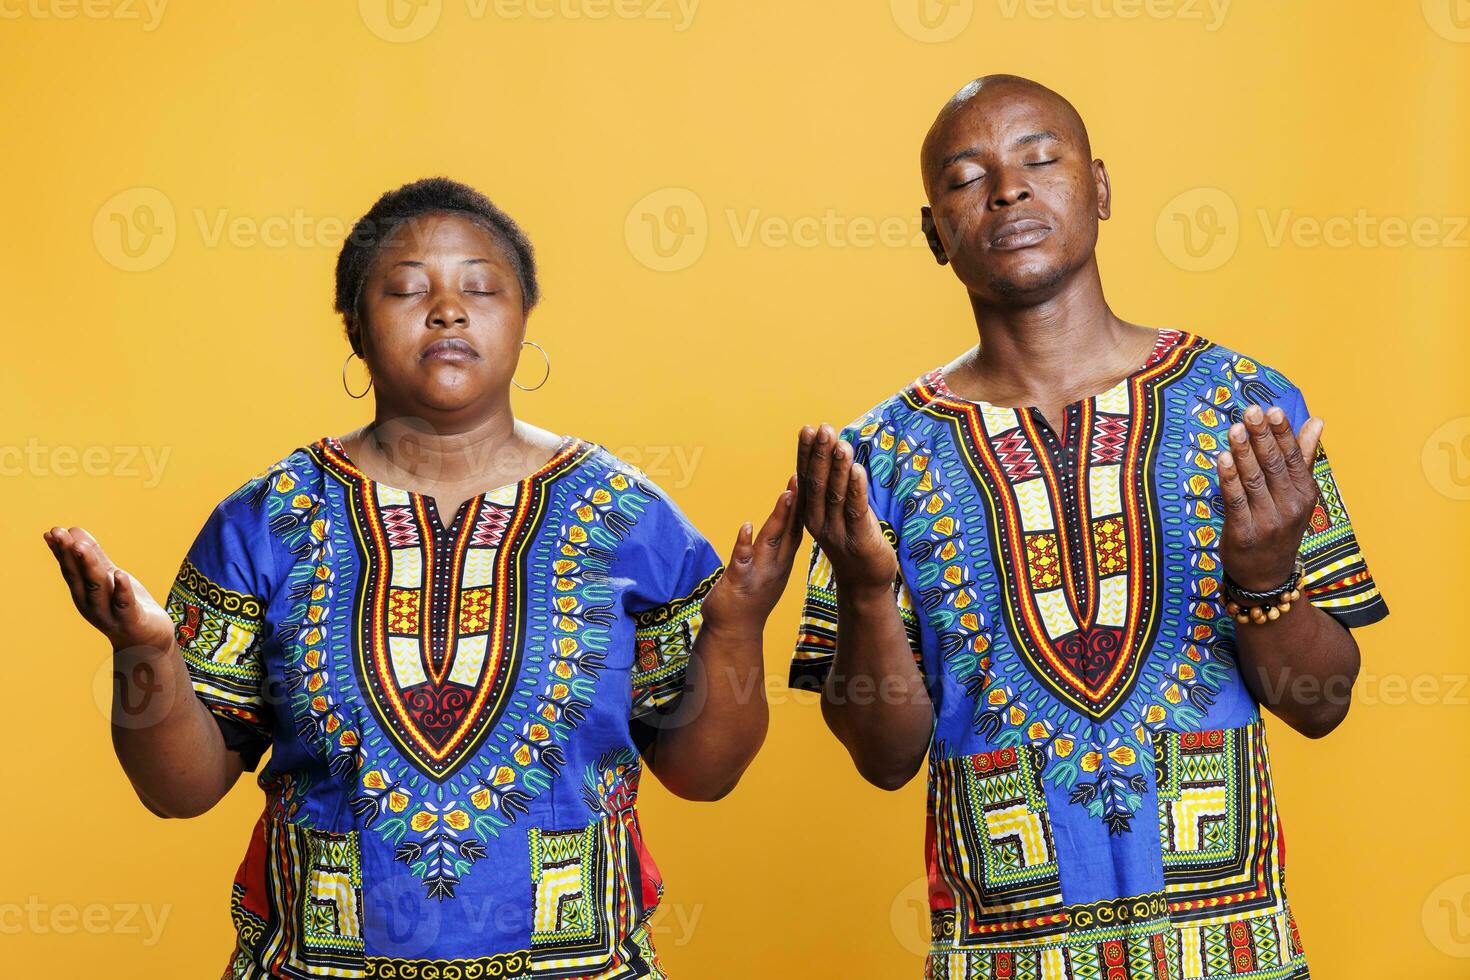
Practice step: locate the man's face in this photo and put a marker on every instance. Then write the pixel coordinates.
(1014, 196)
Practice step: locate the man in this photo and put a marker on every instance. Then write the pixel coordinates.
(1069, 566)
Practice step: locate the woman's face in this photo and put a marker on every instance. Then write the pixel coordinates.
(441, 319)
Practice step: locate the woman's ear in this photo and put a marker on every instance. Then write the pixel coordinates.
(354, 334)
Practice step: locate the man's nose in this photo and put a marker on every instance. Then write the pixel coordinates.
(1010, 188)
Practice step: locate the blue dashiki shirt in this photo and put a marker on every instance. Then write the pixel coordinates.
(1100, 801)
(451, 713)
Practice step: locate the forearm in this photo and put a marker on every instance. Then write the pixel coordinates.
(705, 744)
(1302, 666)
(165, 738)
(874, 699)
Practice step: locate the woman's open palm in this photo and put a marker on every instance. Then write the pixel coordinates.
(109, 598)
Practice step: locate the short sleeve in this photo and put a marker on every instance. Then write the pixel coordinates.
(1337, 579)
(218, 603)
(673, 569)
(816, 642)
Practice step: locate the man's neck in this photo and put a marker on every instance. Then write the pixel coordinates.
(1055, 351)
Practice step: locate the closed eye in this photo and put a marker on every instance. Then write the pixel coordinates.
(419, 293)
(1040, 163)
(966, 183)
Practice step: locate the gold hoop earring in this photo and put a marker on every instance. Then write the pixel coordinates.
(344, 378)
(545, 377)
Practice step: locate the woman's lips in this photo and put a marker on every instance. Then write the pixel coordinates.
(449, 350)
(1022, 233)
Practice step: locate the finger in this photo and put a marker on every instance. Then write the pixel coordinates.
(1286, 444)
(95, 570)
(787, 540)
(837, 487)
(775, 545)
(818, 462)
(1248, 470)
(793, 513)
(124, 600)
(742, 553)
(804, 441)
(855, 508)
(1268, 453)
(1233, 493)
(775, 527)
(81, 536)
(61, 547)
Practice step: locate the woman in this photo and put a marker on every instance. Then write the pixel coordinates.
(457, 632)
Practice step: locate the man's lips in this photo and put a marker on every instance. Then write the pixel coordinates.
(1020, 233)
(449, 349)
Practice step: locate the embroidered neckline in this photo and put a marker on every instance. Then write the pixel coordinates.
(569, 452)
(933, 385)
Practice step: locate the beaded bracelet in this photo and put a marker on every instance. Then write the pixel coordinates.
(1248, 606)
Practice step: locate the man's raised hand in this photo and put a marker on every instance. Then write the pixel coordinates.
(832, 490)
(1269, 493)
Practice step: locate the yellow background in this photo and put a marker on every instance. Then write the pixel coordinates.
(774, 145)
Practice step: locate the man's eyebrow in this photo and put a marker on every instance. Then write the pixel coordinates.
(1030, 138)
(974, 151)
(959, 155)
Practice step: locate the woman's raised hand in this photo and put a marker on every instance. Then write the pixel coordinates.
(759, 566)
(834, 505)
(107, 597)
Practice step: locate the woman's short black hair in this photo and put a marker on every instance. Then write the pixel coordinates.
(432, 195)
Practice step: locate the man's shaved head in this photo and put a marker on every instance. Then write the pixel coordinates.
(984, 94)
(1014, 193)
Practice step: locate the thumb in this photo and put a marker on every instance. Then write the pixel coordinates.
(123, 597)
(743, 551)
(1310, 438)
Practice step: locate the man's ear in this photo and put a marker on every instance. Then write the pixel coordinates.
(931, 235)
(1104, 190)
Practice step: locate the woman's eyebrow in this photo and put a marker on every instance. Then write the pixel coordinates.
(416, 264)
